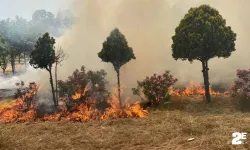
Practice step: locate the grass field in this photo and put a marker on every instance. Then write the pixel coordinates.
(211, 125)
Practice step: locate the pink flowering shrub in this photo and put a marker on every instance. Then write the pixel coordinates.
(241, 88)
(242, 84)
(155, 88)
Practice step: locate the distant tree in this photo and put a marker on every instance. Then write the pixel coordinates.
(43, 21)
(13, 53)
(4, 53)
(65, 18)
(43, 57)
(18, 35)
(60, 56)
(43, 17)
(116, 51)
(9, 31)
(201, 35)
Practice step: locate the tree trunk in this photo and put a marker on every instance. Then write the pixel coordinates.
(19, 58)
(4, 70)
(119, 88)
(52, 87)
(24, 59)
(13, 65)
(206, 80)
(56, 84)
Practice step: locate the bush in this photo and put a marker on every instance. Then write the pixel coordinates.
(20, 90)
(241, 89)
(26, 94)
(155, 88)
(87, 85)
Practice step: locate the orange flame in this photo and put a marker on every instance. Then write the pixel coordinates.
(193, 89)
(80, 112)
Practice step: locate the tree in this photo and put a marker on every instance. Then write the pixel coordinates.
(59, 57)
(43, 57)
(65, 18)
(18, 35)
(4, 53)
(116, 51)
(13, 53)
(43, 19)
(201, 35)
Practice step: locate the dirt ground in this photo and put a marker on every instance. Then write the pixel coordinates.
(211, 126)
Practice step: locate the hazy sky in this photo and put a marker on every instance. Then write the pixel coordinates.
(25, 8)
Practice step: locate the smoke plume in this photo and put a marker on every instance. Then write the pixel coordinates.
(148, 26)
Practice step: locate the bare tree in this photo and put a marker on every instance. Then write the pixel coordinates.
(60, 57)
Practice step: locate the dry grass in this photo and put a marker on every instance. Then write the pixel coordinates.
(211, 125)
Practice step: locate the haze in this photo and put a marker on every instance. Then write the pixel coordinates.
(148, 26)
(25, 8)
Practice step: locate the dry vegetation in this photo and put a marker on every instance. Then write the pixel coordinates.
(211, 125)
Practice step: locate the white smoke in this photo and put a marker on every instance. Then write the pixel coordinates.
(148, 26)
(30, 75)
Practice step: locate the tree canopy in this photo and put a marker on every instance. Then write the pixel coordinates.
(116, 50)
(44, 54)
(202, 34)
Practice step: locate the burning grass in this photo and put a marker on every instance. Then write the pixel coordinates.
(24, 109)
(195, 89)
(76, 108)
(211, 125)
(5, 103)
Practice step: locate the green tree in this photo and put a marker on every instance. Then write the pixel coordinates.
(4, 53)
(116, 51)
(13, 53)
(43, 57)
(201, 35)
(19, 37)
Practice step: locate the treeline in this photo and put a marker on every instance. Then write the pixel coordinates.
(18, 36)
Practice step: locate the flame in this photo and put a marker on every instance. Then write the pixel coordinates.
(84, 111)
(16, 113)
(80, 93)
(193, 89)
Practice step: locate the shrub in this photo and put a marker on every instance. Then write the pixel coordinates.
(26, 94)
(20, 90)
(91, 83)
(241, 89)
(155, 88)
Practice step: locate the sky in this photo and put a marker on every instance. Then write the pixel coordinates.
(25, 8)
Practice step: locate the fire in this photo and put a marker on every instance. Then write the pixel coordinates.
(16, 112)
(84, 111)
(127, 111)
(193, 89)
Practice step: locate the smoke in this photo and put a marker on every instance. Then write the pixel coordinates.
(148, 26)
(29, 75)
